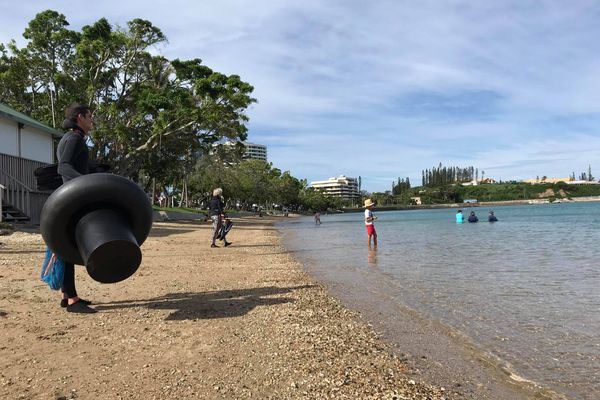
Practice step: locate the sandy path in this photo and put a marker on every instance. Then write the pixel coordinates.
(193, 322)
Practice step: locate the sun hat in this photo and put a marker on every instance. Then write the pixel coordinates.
(368, 203)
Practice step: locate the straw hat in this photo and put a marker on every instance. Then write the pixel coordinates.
(368, 203)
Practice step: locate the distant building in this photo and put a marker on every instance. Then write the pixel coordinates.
(568, 181)
(251, 150)
(255, 151)
(470, 201)
(470, 183)
(341, 186)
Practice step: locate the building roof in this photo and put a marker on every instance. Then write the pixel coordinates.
(335, 179)
(9, 113)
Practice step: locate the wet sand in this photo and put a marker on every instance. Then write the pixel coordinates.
(240, 322)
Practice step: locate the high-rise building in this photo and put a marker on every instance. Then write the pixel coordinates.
(340, 186)
(255, 151)
(251, 150)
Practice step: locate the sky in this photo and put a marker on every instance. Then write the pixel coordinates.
(384, 89)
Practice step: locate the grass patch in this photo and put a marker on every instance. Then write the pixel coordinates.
(179, 209)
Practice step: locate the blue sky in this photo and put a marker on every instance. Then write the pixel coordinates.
(385, 89)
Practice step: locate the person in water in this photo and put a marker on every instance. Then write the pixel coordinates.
(460, 218)
(317, 218)
(369, 218)
(492, 217)
(473, 217)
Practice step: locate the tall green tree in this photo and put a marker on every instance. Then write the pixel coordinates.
(153, 117)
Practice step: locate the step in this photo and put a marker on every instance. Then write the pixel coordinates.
(10, 218)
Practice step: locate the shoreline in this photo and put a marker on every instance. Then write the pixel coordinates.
(193, 322)
(433, 351)
(583, 199)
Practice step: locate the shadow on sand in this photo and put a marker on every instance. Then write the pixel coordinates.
(208, 305)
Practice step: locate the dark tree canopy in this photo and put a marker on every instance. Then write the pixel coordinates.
(152, 116)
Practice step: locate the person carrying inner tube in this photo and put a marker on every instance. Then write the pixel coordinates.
(72, 154)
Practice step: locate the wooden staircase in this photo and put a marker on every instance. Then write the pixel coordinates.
(19, 203)
(13, 215)
(18, 190)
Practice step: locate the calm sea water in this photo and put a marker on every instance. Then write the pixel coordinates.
(526, 288)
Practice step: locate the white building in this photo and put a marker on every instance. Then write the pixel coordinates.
(25, 144)
(341, 186)
(255, 151)
(24, 137)
(251, 150)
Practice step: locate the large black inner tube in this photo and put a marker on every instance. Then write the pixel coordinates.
(99, 221)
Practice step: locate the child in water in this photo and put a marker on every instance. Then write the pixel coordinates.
(369, 218)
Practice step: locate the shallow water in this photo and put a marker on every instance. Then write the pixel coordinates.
(526, 289)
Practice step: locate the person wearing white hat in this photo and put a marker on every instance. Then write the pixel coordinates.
(369, 218)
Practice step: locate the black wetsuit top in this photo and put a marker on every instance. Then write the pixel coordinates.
(473, 218)
(72, 154)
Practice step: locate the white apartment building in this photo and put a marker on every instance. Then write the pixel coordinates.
(255, 151)
(340, 186)
(251, 150)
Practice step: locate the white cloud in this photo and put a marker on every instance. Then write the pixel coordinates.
(385, 89)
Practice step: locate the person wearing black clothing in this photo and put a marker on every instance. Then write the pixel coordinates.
(72, 153)
(492, 217)
(216, 212)
(473, 217)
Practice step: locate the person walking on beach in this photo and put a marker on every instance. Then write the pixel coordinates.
(72, 154)
(369, 218)
(217, 215)
(317, 218)
(459, 217)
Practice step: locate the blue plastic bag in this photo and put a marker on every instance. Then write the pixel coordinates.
(225, 228)
(53, 270)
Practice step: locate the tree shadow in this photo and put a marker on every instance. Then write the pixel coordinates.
(208, 305)
(3, 314)
(251, 245)
(167, 228)
(9, 251)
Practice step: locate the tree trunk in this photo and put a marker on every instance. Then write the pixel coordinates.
(153, 190)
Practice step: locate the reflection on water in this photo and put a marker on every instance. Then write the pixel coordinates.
(372, 258)
(527, 288)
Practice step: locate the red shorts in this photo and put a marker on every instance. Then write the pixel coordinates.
(370, 229)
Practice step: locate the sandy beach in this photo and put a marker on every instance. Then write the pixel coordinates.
(194, 322)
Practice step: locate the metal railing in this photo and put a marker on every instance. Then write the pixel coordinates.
(17, 176)
(16, 193)
(1, 194)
